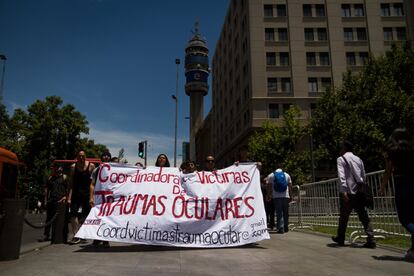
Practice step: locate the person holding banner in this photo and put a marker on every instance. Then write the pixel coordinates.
(78, 199)
(244, 157)
(105, 157)
(210, 163)
(162, 161)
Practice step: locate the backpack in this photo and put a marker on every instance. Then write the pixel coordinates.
(279, 182)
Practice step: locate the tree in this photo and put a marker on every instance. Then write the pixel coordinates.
(48, 130)
(272, 144)
(367, 108)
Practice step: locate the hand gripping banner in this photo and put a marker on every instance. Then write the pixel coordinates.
(162, 206)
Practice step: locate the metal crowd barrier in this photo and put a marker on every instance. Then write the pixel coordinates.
(317, 205)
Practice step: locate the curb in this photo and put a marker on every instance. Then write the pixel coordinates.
(34, 247)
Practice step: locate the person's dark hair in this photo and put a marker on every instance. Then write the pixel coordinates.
(400, 150)
(399, 141)
(347, 146)
(106, 153)
(167, 162)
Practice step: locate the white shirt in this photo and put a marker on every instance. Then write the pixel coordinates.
(275, 194)
(346, 180)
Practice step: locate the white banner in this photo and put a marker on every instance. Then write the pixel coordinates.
(162, 206)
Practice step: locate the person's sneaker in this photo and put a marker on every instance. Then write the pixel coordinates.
(44, 239)
(371, 245)
(338, 241)
(75, 241)
(83, 241)
(105, 244)
(280, 231)
(410, 255)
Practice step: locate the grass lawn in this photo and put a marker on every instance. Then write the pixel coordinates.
(389, 240)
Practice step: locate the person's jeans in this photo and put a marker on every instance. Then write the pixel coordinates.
(282, 213)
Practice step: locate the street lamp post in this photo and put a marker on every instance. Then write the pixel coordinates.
(175, 97)
(3, 58)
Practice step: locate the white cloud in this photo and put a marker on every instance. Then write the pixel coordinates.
(116, 139)
(12, 106)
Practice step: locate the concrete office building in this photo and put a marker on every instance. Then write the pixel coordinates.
(274, 53)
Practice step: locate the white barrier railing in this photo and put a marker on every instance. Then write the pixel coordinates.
(317, 204)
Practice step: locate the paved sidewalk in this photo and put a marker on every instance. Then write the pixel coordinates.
(294, 253)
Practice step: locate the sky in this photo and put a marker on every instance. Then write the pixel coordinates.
(114, 60)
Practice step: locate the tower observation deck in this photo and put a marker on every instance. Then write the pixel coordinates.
(196, 73)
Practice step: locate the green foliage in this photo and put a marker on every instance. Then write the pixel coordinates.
(274, 144)
(48, 130)
(367, 108)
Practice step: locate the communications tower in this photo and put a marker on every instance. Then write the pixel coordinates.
(196, 73)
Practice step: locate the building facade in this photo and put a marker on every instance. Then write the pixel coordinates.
(275, 53)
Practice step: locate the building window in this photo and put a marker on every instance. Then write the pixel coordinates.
(320, 10)
(312, 109)
(283, 35)
(307, 10)
(348, 34)
(270, 34)
(268, 10)
(322, 34)
(284, 59)
(398, 9)
(286, 107)
(361, 34)
(281, 10)
(385, 10)
(324, 59)
(272, 85)
(359, 10)
(346, 10)
(273, 111)
(312, 84)
(363, 58)
(286, 85)
(270, 59)
(350, 59)
(326, 84)
(309, 34)
(310, 59)
(388, 34)
(401, 33)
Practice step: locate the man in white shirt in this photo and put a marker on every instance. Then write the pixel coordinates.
(281, 198)
(351, 172)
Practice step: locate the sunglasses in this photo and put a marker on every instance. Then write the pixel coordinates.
(210, 161)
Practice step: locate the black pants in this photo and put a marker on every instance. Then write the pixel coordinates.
(404, 201)
(51, 210)
(270, 213)
(355, 203)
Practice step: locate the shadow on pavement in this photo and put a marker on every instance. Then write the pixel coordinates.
(392, 258)
(335, 245)
(151, 248)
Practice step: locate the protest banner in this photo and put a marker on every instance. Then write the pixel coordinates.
(162, 206)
